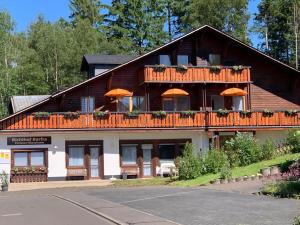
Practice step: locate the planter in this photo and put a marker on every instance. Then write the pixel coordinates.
(4, 188)
(217, 181)
(29, 177)
(274, 170)
(266, 172)
(238, 179)
(224, 181)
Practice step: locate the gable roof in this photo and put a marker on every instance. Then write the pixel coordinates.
(104, 59)
(153, 51)
(21, 102)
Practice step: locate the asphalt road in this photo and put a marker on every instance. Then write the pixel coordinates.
(41, 209)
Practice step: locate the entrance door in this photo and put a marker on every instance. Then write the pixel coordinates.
(94, 162)
(147, 162)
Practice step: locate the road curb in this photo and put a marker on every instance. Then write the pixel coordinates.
(90, 210)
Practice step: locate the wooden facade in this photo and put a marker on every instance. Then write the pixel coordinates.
(269, 85)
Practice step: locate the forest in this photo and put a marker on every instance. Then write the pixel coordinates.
(46, 57)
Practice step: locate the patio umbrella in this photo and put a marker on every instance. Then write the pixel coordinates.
(174, 92)
(233, 92)
(118, 92)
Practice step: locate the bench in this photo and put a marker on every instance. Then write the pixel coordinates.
(76, 173)
(131, 171)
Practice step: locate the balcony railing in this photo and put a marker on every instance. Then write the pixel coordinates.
(201, 120)
(152, 74)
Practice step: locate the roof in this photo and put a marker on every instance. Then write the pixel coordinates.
(104, 59)
(21, 102)
(151, 52)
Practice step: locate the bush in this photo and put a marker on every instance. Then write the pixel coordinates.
(226, 173)
(214, 160)
(242, 150)
(268, 150)
(189, 165)
(283, 189)
(293, 140)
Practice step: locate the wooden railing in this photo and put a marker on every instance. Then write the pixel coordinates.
(148, 120)
(151, 74)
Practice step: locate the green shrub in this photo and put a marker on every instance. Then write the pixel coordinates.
(242, 150)
(293, 140)
(268, 150)
(189, 165)
(215, 160)
(225, 173)
(296, 220)
(283, 189)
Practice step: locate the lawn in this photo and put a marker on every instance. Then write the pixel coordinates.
(205, 179)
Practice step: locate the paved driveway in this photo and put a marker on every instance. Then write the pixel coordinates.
(199, 206)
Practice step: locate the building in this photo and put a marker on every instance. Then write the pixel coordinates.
(138, 115)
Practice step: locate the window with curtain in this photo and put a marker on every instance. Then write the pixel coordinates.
(76, 156)
(176, 104)
(183, 60)
(129, 154)
(138, 103)
(21, 159)
(87, 104)
(214, 59)
(165, 59)
(37, 158)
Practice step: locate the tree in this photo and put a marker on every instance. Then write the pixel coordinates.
(277, 24)
(86, 10)
(230, 16)
(136, 26)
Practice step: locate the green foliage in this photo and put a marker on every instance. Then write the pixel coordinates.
(4, 178)
(268, 150)
(242, 150)
(293, 140)
(296, 220)
(189, 165)
(284, 189)
(226, 173)
(215, 160)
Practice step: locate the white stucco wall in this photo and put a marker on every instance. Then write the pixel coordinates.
(277, 136)
(56, 150)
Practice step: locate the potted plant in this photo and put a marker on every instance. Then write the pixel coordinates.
(222, 112)
(215, 69)
(268, 113)
(291, 112)
(246, 113)
(159, 68)
(71, 115)
(181, 68)
(101, 115)
(132, 114)
(41, 115)
(238, 68)
(159, 114)
(188, 113)
(4, 181)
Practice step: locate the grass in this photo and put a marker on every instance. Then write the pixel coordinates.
(205, 179)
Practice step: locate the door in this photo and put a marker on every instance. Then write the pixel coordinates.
(94, 162)
(147, 162)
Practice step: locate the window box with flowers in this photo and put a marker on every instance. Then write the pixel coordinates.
(132, 114)
(215, 69)
(181, 68)
(71, 115)
(267, 113)
(188, 113)
(159, 68)
(222, 113)
(42, 115)
(291, 112)
(159, 114)
(101, 115)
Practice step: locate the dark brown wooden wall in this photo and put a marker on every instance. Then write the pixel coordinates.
(274, 86)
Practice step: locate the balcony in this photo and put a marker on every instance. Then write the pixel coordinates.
(147, 120)
(153, 74)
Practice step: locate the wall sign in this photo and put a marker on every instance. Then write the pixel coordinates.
(28, 140)
(4, 157)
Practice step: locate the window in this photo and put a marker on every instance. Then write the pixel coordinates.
(214, 59)
(128, 154)
(20, 159)
(87, 104)
(176, 104)
(182, 59)
(217, 102)
(238, 103)
(28, 158)
(37, 159)
(138, 103)
(76, 156)
(166, 152)
(165, 59)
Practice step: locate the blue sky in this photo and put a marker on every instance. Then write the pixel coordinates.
(25, 12)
